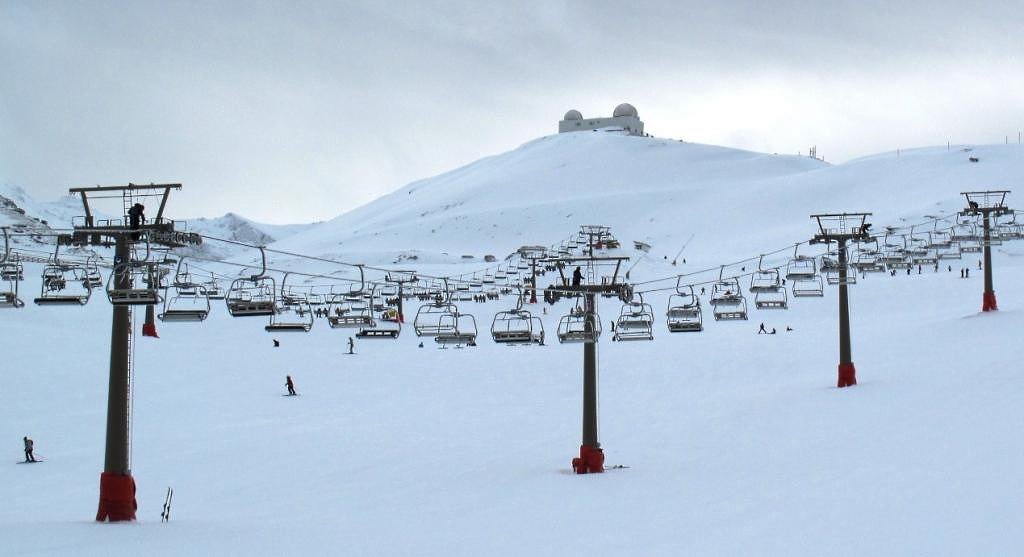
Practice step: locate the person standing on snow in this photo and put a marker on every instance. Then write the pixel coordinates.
(29, 447)
(351, 345)
(762, 330)
(291, 386)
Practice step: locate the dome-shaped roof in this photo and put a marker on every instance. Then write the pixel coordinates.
(625, 109)
(573, 115)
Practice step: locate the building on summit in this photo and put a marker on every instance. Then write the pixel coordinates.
(624, 116)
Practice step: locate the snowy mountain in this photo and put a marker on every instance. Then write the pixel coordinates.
(239, 229)
(736, 443)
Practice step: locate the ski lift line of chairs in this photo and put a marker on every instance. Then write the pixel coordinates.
(635, 322)
(727, 300)
(253, 296)
(830, 268)
(292, 314)
(802, 273)
(517, 326)
(684, 313)
(185, 301)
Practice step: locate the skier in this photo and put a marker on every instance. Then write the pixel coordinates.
(967, 272)
(29, 447)
(961, 272)
(762, 330)
(979, 264)
(277, 343)
(701, 290)
(351, 345)
(291, 386)
(136, 215)
(577, 277)
(773, 331)
(789, 329)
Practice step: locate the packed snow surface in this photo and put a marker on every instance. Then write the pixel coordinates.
(736, 443)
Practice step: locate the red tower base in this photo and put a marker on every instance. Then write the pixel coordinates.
(590, 461)
(149, 330)
(117, 498)
(988, 302)
(847, 375)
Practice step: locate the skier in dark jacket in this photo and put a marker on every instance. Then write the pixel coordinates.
(29, 447)
(351, 345)
(291, 386)
(577, 277)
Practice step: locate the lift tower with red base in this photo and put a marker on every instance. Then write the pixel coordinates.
(988, 204)
(591, 459)
(117, 486)
(842, 228)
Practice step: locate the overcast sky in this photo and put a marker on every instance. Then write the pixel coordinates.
(294, 111)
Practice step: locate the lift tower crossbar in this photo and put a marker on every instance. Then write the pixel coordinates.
(987, 204)
(117, 486)
(842, 228)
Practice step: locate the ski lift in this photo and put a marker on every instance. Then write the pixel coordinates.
(430, 316)
(92, 272)
(684, 313)
(388, 325)
(185, 302)
(727, 299)
(12, 276)
(801, 267)
(131, 271)
(517, 326)
(765, 280)
(868, 259)
(253, 296)
(893, 254)
(63, 284)
(212, 289)
(830, 267)
(767, 288)
(457, 329)
(635, 322)
(579, 326)
(292, 314)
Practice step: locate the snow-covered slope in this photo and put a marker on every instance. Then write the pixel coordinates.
(239, 229)
(736, 443)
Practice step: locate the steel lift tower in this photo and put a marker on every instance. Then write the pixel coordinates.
(591, 459)
(117, 486)
(988, 204)
(842, 228)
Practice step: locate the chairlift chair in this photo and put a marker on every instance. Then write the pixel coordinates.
(253, 296)
(684, 313)
(185, 302)
(830, 268)
(727, 301)
(575, 328)
(801, 267)
(458, 329)
(64, 284)
(517, 326)
(635, 322)
(292, 313)
(12, 273)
